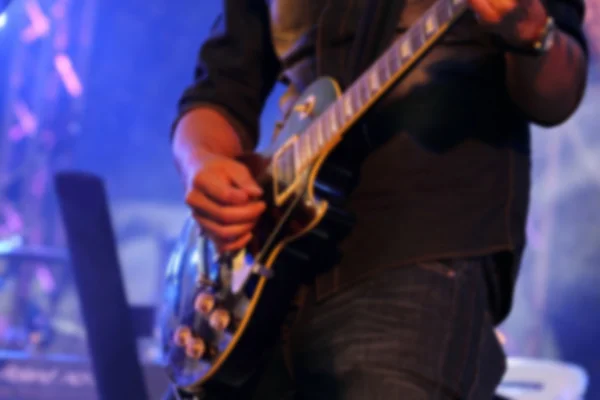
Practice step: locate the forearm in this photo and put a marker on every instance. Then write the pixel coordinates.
(548, 88)
(236, 70)
(203, 131)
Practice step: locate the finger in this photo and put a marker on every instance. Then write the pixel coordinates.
(485, 11)
(240, 175)
(226, 233)
(233, 246)
(227, 215)
(220, 189)
(503, 7)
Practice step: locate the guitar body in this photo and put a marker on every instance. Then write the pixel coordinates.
(222, 314)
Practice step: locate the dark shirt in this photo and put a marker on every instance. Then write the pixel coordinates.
(446, 173)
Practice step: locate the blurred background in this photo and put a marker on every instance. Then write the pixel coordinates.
(92, 85)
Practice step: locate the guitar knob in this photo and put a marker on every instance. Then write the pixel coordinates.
(181, 336)
(220, 319)
(195, 348)
(306, 108)
(204, 303)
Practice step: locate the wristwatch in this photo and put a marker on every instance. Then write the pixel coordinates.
(544, 42)
(546, 39)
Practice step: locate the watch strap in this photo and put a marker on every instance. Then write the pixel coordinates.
(537, 48)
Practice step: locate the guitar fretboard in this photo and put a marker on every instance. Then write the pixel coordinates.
(328, 128)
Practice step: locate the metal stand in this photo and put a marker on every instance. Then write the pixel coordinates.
(97, 273)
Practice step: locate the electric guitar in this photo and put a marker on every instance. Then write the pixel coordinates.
(222, 313)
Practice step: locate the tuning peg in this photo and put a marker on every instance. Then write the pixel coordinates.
(181, 336)
(220, 319)
(204, 303)
(195, 348)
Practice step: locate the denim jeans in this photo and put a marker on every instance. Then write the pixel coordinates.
(412, 332)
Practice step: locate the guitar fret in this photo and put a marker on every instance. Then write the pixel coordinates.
(296, 158)
(333, 123)
(405, 49)
(355, 94)
(289, 167)
(314, 145)
(304, 150)
(348, 106)
(281, 168)
(393, 60)
(450, 7)
(363, 90)
(354, 100)
(422, 33)
(342, 116)
(416, 37)
(309, 148)
(292, 164)
(338, 109)
(419, 36)
(431, 23)
(319, 130)
(374, 81)
(284, 166)
(300, 152)
(325, 128)
(443, 11)
(382, 71)
(331, 126)
(454, 7)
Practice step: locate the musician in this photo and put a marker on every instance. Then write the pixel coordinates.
(429, 267)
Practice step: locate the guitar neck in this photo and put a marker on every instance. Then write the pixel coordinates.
(329, 127)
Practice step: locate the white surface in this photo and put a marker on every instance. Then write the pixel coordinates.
(531, 379)
(140, 253)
